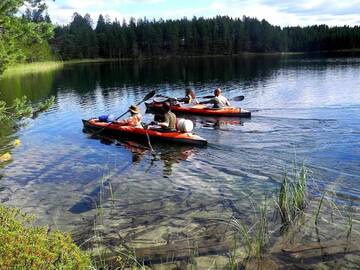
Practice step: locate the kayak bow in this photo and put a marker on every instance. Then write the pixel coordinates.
(140, 133)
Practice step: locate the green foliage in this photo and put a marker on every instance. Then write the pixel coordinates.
(4, 114)
(22, 107)
(24, 246)
(20, 39)
(45, 105)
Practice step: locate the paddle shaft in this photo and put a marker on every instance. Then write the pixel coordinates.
(148, 96)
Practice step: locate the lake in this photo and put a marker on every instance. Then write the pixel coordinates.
(305, 110)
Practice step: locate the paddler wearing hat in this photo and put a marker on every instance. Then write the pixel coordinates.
(134, 120)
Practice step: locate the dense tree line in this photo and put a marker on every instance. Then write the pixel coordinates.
(198, 36)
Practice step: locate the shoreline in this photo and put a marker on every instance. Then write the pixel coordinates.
(38, 67)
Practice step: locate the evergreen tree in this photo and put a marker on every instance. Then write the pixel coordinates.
(219, 35)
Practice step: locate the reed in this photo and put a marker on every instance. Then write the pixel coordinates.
(292, 195)
(349, 219)
(262, 233)
(318, 209)
(32, 68)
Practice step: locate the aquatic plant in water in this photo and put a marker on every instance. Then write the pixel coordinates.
(292, 196)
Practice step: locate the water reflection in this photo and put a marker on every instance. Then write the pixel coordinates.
(36, 87)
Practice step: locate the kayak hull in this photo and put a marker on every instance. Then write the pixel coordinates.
(201, 110)
(141, 134)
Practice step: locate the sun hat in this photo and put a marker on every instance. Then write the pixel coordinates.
(134, 109)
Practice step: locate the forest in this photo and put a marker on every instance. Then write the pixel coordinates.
(221, 35)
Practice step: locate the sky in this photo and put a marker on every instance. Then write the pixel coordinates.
(283, 13)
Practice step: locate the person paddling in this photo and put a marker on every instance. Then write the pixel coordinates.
(134, 120)
(169, 122)
(219, 101)
(190, 97)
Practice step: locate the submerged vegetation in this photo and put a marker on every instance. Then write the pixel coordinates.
(256, 242)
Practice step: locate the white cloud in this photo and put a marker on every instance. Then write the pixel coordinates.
(284, 13)
(293, 12)
(62, 13)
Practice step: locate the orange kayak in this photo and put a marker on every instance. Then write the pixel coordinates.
(201, 109)
(140, 133)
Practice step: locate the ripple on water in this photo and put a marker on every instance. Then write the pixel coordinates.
(302, 111)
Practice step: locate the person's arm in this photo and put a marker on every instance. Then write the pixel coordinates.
(132, 121)
(210, 101)
(123, 122)
(184, 99)
(162, 124)
(165, 123)
(228, 103)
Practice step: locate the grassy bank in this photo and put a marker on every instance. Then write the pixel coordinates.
(38, 67)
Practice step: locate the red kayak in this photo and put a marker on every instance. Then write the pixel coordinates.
(200, 109)
(140, 133)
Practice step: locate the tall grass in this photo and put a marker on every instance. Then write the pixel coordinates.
(292, 196)
(37, 67)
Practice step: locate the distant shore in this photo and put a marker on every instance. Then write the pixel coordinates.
(38, 67)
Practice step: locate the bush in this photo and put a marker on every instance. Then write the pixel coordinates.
(24, 246)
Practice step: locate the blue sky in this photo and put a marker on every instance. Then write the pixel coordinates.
(286, 12)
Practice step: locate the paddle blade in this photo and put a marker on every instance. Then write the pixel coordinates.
(238, 98)
(149, 95)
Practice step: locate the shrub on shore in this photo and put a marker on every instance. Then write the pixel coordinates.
(25, 246)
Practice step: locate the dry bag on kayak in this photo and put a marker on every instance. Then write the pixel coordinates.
(184, 125)
(106, 118)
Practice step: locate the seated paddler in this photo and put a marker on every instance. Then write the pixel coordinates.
(168, 117)
(218, 101)
(190, 97)
(134, 120)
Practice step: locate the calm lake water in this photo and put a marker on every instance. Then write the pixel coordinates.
(304, 110)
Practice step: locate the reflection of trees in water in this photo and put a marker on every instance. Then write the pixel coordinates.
(86, 77)
(36, 86)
